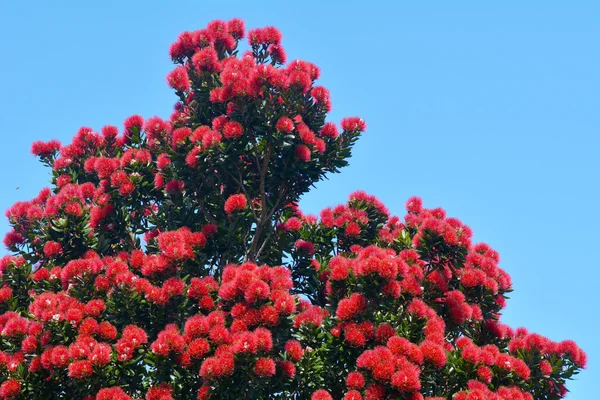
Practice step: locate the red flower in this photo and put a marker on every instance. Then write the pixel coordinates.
(304, 246)
(284, 124)
(353, 395)
(163, 161)
(161, 392)
(101, 354)
(350, 307)
(113, 393)
(264, 367)
(353, 229)
(198, 348)
(110, 132)
(232, 130)
(175, 187)
(178, 79)
(80, 369)
(60, 356)
(156, 129)
(13, 238)
(107, 330)
(329, 130)
(485, 374)
(545, 367)
(10, 388)
(5, 294)
(236, 202)
(45, 149)
(52, 249)
(294, 350)
(354, 336)
(355, 380)
(414, 205)
(433, 353)
(302, 153)
(257, 290)
(322, 97)
(288, 368)
(321, 394)
(95, 307)
(293, 224)
(407, 380)
(354, 124)
(137, 336)
(236, 28)
(206, 60)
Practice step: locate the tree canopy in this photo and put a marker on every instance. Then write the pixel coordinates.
(170, 260)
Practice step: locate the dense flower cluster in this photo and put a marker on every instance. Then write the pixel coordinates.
(169, 260)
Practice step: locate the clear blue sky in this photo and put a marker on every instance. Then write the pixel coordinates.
(491, 112)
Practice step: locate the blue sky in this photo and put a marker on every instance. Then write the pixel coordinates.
(490, 111)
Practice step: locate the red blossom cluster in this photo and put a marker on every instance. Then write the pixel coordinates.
(427, 265)
(179, 245)
(355, 217)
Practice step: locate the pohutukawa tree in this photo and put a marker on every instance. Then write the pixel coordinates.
(169, 260)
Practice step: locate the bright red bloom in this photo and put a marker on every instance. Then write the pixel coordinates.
(312, 315)
(433, 353)
(110, 132)
(236, 202)
(284, 124)
(10, 388)
(5, 294)
(289, 369)
(574, 352)
(322, 97)
(178, 79)
(45, 149)
(545, 367)
(180, 244)
(161, 392)
(303, 153)
(107, 330)
(293, 224)
(355, 380)
(321, 394)
(101, 354)
(353, 395)
(329, 130)
(12, 239)
(198, 348)
(95, 307)
(354, 124)
(484, 374)
(137, 336)
(267, 35)
(350, 307)
(157, 130)
(52, 249)
(80, 369)
(206, 60)
(236, 28)
(407, 379)
(232, 130)
(264, 367)
(294, 350)
(133, 123)
(114, 393)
